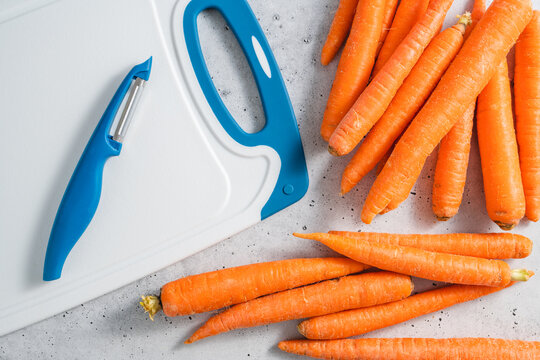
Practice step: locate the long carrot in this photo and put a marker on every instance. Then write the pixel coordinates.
(389, 14)
(527, 95)
(487, 246)
(216, 289)
(415, 349)
(453, 156)
(361, 321)
(407, 14)
(374, 100)
(355, 64)
(430, 265)
(349, 292)
(338, 30)
(505, 199)
(466, 76)
(451, 169)
(409, 99)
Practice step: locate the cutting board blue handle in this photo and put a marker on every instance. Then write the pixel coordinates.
(281, 130)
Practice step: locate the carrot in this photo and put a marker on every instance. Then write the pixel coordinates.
(453, 156)
(415, 349)
(381, 162)
(466, 76)
(505, 199)
(338, 30)
(374, 100)
(361, 321)
(430, 265)
(355, 65)
(407, 14)
(487, 246)
(409, 99)
(389, 13)
(349, 292)
(527, 95)
(216, 289)
(451, 169)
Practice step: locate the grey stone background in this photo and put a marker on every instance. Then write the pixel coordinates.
(114, 327)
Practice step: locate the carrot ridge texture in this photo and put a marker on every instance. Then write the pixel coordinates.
(488, 246)
(389, 14)
(453, 156)
(464, 79)
(451, 168)
(360, 321)
(374, 100)
(505, 199)
(430, 265)
(216, 289)
(349, 292)
(407, 13)
(527, 106)
(408, 100)
(338, 30)
(415, 349)
(355, 64)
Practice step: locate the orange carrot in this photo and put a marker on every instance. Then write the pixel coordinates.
(338, 30)
(407, 14)
(409, 99)
(380, 164)
(487, 246)
(527, 95)
(453, 156)
(327, 297)
(355, 65)
(415, 349)
(466, 76)
(216, 289)
(451, 169)
(389, 13)
(505, 199)
(361, 321)
(430, 265)
(372, 103)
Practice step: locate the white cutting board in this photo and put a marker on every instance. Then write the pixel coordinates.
(180, 184)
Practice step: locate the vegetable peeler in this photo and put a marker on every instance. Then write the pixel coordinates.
(81, 198)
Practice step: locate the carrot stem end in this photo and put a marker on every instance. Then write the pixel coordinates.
(151, 304)
(521, 275)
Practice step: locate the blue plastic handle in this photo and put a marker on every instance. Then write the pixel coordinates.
(83, 192)
(280, 131)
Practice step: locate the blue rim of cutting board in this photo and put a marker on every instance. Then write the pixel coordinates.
(281, 130)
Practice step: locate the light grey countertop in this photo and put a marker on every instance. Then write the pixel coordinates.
(114, 326)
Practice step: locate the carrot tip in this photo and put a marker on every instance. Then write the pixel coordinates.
(442, 218)
(151, 304)
(333, 151)
(521, 274)
(302, 236)
(504, 226)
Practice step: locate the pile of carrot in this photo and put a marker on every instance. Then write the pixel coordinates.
(406, 86)
(423, 92)
(339, 297)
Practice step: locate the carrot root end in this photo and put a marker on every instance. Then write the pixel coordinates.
(505, 226)
(151, 304)
(333, 151)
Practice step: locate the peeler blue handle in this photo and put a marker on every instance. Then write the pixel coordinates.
(81, 198)
(281, 130)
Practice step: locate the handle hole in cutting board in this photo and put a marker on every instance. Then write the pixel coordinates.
(230, 71)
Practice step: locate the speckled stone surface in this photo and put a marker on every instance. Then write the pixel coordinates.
(114, 327)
